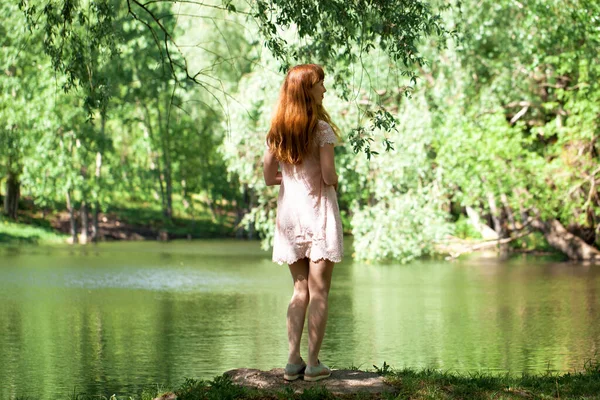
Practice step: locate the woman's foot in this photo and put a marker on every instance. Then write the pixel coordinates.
(316, 373)
(293, 371)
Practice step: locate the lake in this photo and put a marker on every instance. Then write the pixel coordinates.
(116, 317)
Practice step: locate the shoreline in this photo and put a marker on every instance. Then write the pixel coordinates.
(19, 233)
(122, 224)
(382, 383)
(31, 229)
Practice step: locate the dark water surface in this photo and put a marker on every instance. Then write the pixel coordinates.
(117, 317)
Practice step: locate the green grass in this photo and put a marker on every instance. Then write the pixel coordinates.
(144, 218)
(20, 233)
(432, 384)
(200, 225)
(407, 384)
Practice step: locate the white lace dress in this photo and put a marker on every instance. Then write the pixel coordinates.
(308, 217)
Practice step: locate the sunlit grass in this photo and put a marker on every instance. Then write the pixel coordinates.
(195, 221)
(15, 232)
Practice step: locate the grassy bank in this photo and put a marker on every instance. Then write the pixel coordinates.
(406, 384)
(118, 222)
(21, 233)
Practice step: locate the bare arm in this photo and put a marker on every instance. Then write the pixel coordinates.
(328, 165)
(271, 169)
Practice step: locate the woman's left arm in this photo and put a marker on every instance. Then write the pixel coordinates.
(271, 169)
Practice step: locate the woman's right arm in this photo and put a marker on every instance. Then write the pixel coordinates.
(328, 164)
(271, 169)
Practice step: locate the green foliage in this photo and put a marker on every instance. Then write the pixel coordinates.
(510, 121)
(409, 383)
(384, 370)
(439, 384)
(139, 142)
(244, 147)
(505, 117)
(315, 393)
(334, 30)
(76, 40)
(19, 233)
(25, 85)
(394, 205)
(402, 213)
(464, 229)
(83, 38)
(152, 392)
(220, 388)
(533, 242)
(362, 140)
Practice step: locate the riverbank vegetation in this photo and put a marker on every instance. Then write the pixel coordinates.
(21, 233)
(467, 125)
(406, 384)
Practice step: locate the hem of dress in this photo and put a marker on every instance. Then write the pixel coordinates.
(332, 259)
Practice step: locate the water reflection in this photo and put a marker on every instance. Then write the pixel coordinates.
(114, 318)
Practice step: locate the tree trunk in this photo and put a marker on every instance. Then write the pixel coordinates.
(158, 167)
(559, 238)
(11, 200)
(169, 182)
(164, 128)
(495, 214)
(95, 229)
(241, 211)
(508, 211)
(73, 223)
(98, 176)
(239, 232)
(211, 207)
(83, 238)
(499, 219)
(251, 228)
(475, 220)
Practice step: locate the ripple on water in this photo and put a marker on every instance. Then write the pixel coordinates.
(153, 279)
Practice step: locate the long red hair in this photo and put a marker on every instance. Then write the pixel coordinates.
(296, 115)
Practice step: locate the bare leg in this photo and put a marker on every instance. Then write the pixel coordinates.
(319, 282)
(297, 309)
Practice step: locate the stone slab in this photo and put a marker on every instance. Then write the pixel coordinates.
(340, 382)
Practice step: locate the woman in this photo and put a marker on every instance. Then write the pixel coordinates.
(308, 233)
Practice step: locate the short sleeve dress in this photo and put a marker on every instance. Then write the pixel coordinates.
(308, 223)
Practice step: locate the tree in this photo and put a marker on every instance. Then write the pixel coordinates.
(515, 133)
(330, 31)
(504, 124)
(20, 101)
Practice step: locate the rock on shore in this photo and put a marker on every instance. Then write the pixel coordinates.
(340, 382)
